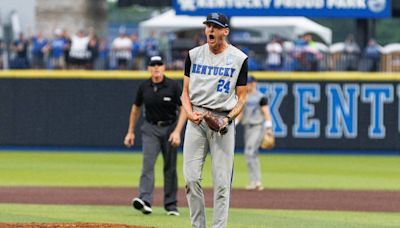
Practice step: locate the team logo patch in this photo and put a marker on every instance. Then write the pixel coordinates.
(215, 16)
(229, 60)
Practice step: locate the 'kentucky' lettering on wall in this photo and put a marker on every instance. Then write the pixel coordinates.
(340, 111)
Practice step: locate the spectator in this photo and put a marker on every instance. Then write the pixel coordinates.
(180, 46)
(244, 49)
(101, 62)
(253, 63)
(310, 54)
(179, 59)
(122, 49)
(56, 47)
(350, 53)
(274, 55)
(296, 54)
(151, 47)
(20, 51)
(67, 47)
(38, 51)
(136, 63)
(200, 39)
(93, 48)
(165, 48)
(372, 54)
(79, 53)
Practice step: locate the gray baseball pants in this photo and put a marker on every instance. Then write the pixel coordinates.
(155, 139)
(253, 135)
(199, 139)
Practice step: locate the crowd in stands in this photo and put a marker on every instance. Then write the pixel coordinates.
(86, 50)
(305, 54)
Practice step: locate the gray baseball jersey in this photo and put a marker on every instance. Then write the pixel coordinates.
(252, 113)
(213, 77)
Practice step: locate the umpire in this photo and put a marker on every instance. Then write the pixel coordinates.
(161, 131)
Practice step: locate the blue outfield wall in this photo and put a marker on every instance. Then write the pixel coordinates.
(311, 111)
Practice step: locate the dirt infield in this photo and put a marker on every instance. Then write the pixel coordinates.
(338, 200)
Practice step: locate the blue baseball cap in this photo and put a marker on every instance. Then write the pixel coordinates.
(251, 79)
(218, 19)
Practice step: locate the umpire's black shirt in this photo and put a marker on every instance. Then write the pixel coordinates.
(161, 100)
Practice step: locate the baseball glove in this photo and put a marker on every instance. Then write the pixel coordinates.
(268, 141)
(215, 122)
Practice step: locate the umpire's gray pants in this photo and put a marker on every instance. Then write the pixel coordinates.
(155, 139)
(199, 139)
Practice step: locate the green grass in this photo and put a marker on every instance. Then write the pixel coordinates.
(123, 169)
(237, 218)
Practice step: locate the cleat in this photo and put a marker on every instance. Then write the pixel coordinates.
(142, 206)
(173, 213)
(255, 186)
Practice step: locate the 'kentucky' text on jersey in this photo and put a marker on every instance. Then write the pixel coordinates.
(213, 70)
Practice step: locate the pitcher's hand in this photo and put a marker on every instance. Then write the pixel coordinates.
(195, 117)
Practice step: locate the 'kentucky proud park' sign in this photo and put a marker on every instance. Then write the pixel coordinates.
(308, 8)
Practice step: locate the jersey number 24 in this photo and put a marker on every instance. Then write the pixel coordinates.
(224, 86)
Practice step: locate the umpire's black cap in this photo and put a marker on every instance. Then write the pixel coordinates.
(218, 19)
(156, 60)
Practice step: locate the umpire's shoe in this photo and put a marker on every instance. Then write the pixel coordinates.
(142, 206)
(172, 210)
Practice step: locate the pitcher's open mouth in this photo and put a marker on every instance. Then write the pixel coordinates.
(211, 37)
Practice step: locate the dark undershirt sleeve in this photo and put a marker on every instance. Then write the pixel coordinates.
(188, 64)
(242, 78)
(263, 101)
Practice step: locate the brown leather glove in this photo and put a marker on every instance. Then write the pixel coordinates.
(215, 123)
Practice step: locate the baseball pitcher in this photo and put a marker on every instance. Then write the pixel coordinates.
(214, 93)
